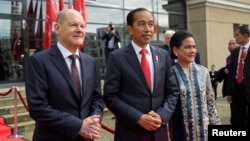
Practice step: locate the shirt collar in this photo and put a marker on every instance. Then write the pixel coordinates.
(65, 52)
(138, 48)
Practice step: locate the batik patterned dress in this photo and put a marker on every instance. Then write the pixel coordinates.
(198, 108)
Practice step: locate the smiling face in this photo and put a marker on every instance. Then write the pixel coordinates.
(186, 52)
(70, 29)
(142, 28)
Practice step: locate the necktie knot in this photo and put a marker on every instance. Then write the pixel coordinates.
(73, 57)
(143, 51)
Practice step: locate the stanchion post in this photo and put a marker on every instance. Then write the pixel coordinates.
(15, 130)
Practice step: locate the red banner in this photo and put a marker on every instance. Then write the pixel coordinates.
(51, 11)
(61, 5)
(80, 6)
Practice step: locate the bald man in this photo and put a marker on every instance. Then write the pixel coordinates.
(64, 110)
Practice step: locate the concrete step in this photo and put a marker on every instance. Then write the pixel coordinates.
(25, 124)
(5, 101)
(22, 127)
(9, 109)
(4, 89)
(21, 117)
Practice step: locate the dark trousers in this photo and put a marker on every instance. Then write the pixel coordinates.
(107, 51)
(239, 106)
(248, 114)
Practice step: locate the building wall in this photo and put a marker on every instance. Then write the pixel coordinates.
(212, 23)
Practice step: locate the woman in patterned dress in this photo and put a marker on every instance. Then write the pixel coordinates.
(196, 108)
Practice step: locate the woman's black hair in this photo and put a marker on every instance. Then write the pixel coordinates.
(176, 40)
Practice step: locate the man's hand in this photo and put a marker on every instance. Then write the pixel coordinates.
(150, 121)
(91, 127)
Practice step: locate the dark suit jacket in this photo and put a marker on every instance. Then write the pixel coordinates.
(17, 48)
(107, 37)
(198, 58)
(52, 97)
(126, 93)
(222, 76)
(246, 74)
(214, 82)
(232, 71)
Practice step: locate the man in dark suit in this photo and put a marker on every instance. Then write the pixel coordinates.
(222, 73)
(142, 104)
(62, 111)
(214, 82)
(236, 87)
(112, 39)
(247, 83)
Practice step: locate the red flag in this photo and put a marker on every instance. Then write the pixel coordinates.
(80, 6)
(51, 10)
(61, 5)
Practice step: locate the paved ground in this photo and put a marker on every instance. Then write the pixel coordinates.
(222, 106)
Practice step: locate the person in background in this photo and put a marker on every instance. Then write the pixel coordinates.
(112, 39)
(142, 104)
(17, 53)
(65, 109)
(196, 108)
(213, 75)
(222, 73)
(17, 46)
(167, 37)
(197, 58)
(236, 94)
(247, 84)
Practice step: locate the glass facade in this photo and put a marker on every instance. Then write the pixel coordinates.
(20, 38)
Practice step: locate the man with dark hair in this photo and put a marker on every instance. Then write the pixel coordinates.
(140, 86)
(236, 94)
(246, 73)
(112, 39)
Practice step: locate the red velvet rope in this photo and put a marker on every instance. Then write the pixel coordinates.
(107, 128)
(26, 106)
(6, 93)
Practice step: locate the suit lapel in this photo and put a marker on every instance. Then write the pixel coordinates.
(156, 61)
(83, 71)
(132, 58)
(59, 62)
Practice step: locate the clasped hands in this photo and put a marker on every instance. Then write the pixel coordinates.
(150, 121)
(91, 127)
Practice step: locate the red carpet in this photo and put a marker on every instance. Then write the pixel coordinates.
(5, 132)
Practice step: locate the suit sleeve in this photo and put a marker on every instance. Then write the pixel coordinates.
(247, 74)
